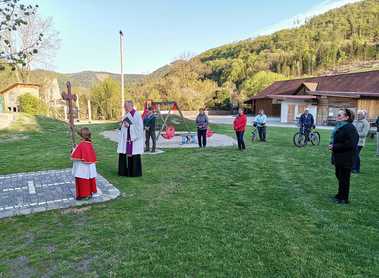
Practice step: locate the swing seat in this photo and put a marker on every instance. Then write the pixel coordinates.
(209, 132)
(170, 133)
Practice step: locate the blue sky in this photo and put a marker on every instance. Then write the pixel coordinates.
(158, 31)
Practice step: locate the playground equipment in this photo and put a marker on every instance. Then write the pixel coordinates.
(167, 131)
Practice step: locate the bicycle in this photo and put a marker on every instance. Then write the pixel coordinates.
(254, 133)
(300, 139)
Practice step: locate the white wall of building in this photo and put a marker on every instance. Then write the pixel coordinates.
(284, 110)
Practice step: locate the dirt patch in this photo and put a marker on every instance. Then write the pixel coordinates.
(12, 138)
(75, 210)
(20, 267)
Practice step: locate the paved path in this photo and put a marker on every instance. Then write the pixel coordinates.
(217, 140)
(25, 193)
(6, 119)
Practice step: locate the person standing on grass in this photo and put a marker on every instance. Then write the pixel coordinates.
(202, 127)
(363, 127)
(149, 124)
(344, 141)
(130, 145)
(84, 166)
(261, 120)
(239, 126)
(377, 136)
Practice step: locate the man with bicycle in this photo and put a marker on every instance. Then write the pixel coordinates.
(306, 122)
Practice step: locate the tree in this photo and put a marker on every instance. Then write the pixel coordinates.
(32, 105)
(260, 81)
(14, 15)
(105, 99)
(26, 35)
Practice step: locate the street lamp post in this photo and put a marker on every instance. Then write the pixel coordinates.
(122, 71)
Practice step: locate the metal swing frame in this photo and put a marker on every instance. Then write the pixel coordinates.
(171, 104)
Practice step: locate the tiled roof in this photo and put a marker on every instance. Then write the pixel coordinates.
(19, 84)
(361, 82)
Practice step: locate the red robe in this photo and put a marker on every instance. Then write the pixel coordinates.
(84, 169)
(84, 152)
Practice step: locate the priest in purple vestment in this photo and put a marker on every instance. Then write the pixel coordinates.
(131, 142)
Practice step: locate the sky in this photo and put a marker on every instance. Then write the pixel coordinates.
(159, 31)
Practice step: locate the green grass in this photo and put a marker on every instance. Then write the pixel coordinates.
(216, 212)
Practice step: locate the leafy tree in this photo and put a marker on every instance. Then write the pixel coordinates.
(260, 81)
(32, 105)
(106, 100)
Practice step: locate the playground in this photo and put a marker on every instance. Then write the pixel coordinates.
(208, 212)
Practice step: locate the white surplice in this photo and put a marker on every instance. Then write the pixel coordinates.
(83, 170)
(136, 134)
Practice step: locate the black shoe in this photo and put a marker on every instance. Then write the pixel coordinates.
(337, 197)
(343, 202)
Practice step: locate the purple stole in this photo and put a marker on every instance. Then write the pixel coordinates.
(129, 143)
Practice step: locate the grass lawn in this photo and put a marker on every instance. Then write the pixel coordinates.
(216, 212)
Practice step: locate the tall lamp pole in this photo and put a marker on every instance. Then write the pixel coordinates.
(122, 71)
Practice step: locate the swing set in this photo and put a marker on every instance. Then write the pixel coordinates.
(167, 131)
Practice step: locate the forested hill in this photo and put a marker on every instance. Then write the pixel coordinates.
(341, 40)
(340, 36)
(87, 79)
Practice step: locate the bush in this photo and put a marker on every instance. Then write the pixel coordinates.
(32, 105)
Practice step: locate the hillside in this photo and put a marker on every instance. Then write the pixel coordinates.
(341, 40)
(338, 37)
(86, 79)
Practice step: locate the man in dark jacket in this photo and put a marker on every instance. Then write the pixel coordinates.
(306, 123)
(149, 125)
(377, 136)
(344, 141)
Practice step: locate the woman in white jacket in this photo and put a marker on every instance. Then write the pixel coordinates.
(363, 127)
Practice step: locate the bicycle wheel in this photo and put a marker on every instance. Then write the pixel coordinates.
(254, 135)
(315, 138)
(299, 139)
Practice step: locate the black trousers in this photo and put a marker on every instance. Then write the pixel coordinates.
(262, 133)
(241, 143)
(202, 137)
(129, 166)
(150, 133)
(343, 176)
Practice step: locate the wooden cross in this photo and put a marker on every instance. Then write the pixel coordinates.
(70, 99)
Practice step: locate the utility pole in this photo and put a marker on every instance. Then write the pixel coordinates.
(78, 107)
(122, 71)
(89, 110)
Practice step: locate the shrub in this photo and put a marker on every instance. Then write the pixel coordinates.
(32, 105)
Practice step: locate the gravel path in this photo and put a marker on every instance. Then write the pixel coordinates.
(217, 140)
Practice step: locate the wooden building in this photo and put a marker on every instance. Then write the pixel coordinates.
(9, 96)
(323, 95)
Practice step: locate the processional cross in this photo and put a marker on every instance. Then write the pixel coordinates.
(70, 98)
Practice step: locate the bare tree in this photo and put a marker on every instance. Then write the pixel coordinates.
(46, 49)
(13, 16)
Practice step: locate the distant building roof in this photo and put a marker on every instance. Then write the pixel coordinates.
(14, 85)
(360, 83)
